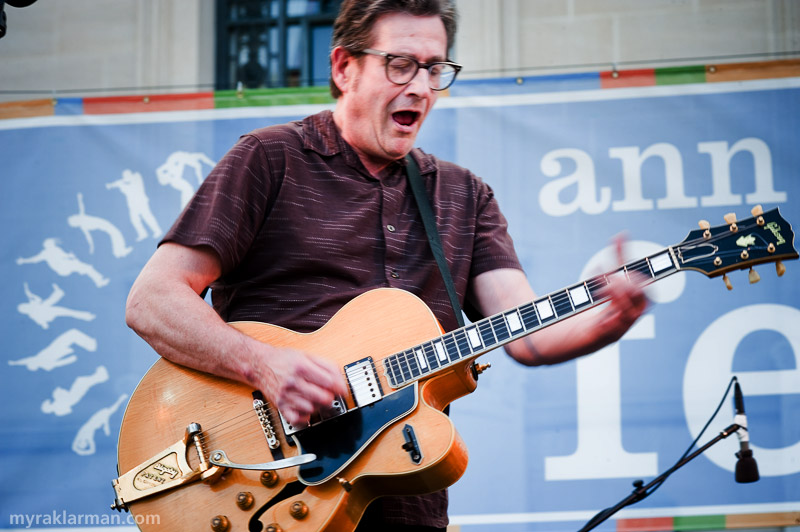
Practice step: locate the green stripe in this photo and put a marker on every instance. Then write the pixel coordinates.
(681, 75)
(262, 97)
(700, 522)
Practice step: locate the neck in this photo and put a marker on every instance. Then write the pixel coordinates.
(374, 165)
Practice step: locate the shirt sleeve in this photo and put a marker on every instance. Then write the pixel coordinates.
(228, 209)
(493, 245)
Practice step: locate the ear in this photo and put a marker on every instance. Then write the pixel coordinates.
(342, 64)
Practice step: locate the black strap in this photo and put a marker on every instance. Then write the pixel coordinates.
(418, 188)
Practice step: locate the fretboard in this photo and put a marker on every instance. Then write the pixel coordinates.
(495, 331)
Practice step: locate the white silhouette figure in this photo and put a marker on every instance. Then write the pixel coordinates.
(59, 352)
(63, 400)
(88, 223)
(83, 444)
(44, 311)
(63, 263)
(171, 172)
(131, 185)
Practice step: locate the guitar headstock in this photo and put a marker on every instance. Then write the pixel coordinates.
(736, 245)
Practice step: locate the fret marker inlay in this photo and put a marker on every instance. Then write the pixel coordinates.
(660, 262)
(440, 351)
(579, 295)
(514, 324)
(474, 339)
(545, 309)
(423, 363)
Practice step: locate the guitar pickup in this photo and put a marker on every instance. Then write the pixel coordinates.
(363, 381)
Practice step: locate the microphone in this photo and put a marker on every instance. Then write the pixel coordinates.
(746, 467)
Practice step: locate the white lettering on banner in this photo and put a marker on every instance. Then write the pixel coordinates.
(590, 200)
(599, 453)
(710, 368)
(721, 173)
(583, 177)
(632, 163)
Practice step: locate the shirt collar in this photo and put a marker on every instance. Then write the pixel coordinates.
(321, 135)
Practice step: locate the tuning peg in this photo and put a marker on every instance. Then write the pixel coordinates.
(730, 218)
(753, 276)
(727, 282)
(705, 226)
(780, 269)
(757, 212)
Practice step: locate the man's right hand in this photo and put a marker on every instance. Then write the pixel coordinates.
(300, 384)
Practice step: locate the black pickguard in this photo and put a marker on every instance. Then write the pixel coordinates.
(340, 439)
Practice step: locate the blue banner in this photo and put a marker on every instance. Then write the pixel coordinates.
(86, 199)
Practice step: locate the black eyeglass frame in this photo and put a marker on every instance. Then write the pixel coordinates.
(427, 66)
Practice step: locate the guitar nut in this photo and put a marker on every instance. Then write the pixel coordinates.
(273, 527)
(745, 255)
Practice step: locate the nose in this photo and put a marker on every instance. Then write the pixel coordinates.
(420, 83)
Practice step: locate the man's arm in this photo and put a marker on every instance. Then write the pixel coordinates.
(164, 308)
(499, 290)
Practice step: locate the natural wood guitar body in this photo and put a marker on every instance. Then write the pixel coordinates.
(170, 397)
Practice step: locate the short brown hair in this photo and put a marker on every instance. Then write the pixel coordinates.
(352, 29)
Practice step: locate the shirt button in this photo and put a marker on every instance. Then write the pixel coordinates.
(390, 228)
(395, 275)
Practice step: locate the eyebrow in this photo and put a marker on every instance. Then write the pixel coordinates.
(434, 59)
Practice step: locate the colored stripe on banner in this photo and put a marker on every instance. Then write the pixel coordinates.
(708, 522)
(612, 79)
(270, 97)
(681, 75)
(149, 103)
(616, 79)
(646, 524)
(26, 109)
(780, 519)
(745, 71)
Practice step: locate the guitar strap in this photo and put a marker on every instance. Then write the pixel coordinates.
(424, 204)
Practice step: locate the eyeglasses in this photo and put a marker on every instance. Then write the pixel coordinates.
(401, 69)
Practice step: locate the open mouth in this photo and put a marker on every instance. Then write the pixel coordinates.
(405, 118)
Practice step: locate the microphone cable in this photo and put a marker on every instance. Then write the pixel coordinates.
(641, 493)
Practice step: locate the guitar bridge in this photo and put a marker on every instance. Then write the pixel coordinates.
(166, 470)
(262, 411)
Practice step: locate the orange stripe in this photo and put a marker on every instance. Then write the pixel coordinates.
(744, 71)
(150, 103)
(780, 519)
(26, 109)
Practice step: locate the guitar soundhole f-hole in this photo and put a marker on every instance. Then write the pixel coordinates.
(289, 490)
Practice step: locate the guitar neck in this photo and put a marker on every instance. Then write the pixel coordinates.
(495, 331)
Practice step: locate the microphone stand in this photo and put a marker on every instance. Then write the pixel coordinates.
(641, 491)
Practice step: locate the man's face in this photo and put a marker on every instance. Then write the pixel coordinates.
(377, 117)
